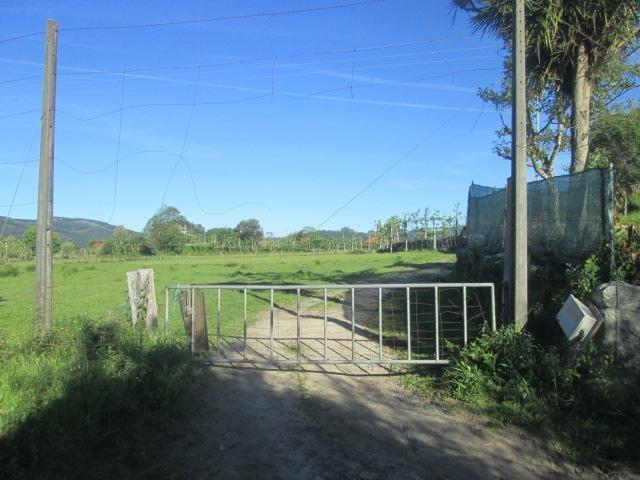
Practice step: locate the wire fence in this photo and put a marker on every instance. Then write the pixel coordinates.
(569, 217)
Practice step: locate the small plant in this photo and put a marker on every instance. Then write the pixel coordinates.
(583, 278)
(30, 268)
(9, 271)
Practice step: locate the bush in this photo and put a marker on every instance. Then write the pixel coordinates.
(583, 278)
(586, 399)
(9, 271)
(80, 389)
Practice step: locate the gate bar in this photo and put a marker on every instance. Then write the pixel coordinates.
(245, 322)
(298, 325)
(271, 326)
(380, 323)
(493, 308)
(464, 313)
(166, 310)
(218, 326)
(408, 325)
(437, 318)
(353, 323)
(325, 324)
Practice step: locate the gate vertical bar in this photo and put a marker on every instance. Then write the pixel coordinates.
(379, 323)
(437, 319)
(271, 325)
(298, 324)
(245, 322)
(193, 318)
(353, 323)
(166, 310)
(408, 324)
(464, 313)
(493, 308)
(325, 324)
(218, 326)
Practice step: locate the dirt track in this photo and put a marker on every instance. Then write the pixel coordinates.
(333, 422)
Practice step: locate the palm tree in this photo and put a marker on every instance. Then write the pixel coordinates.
(571, 45)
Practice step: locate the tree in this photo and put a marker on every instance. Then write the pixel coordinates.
(29, 238)
(571, 47)
(165, 231)
(249, 230)
(615, 140)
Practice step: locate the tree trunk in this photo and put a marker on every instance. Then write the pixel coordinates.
(580, 112)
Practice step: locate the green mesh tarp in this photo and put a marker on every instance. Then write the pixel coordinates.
(569, 216)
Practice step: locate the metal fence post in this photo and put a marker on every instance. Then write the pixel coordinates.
(166, 310)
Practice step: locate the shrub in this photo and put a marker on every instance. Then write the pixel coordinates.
(583, 278)
(587, 399)
(9, 271)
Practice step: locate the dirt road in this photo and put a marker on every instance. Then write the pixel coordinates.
(340, 422)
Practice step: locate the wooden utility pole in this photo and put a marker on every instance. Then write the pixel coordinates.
(44, 224)
(519, 287)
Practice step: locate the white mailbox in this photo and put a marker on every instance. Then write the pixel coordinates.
(575, 317)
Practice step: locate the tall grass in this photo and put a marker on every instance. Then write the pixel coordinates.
(83, 387)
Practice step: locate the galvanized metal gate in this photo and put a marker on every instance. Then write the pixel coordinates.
(405, 323)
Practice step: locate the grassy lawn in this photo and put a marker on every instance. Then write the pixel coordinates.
(97, 288)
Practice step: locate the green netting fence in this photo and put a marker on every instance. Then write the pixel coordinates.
(569, 217)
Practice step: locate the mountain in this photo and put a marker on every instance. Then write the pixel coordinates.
(79, 230)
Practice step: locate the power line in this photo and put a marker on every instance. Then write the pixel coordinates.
(281, 57)
(159, 104)
(115, 176)
(15, 80)
(19, 37)
(224, 18)
(17, 114)
(15, 192)
(393, 165)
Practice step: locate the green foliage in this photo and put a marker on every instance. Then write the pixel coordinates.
(575, 396)
(584, 278)
(615, 140)
(81, 388)
(164, 231)
(29, 238)
(249, 230)
(9, 271)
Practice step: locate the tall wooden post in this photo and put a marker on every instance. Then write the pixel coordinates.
(44, 224)
(519, 169)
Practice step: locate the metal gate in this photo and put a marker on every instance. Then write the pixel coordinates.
(412, 323)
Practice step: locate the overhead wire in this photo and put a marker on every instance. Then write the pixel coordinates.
(277, 13)
(393, 165)
(15, 192)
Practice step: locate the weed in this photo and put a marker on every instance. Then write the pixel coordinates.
(583, 278)
(571, 397)
(30, 268)
(9, 271)
(231, 264)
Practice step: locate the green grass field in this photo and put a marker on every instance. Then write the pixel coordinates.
(97, 288)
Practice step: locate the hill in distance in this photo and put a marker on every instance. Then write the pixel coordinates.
(79, 230)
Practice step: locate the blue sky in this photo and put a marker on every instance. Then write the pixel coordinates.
(289, 123)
